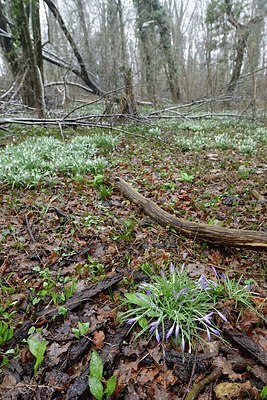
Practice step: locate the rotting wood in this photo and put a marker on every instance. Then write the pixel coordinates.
(254, 240)
(19, 335)
(246, 344)
(84, 295)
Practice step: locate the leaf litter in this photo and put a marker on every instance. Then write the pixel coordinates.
(105, 244)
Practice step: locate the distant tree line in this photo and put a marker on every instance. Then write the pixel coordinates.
(172, 50)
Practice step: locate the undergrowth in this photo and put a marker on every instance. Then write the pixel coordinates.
(173, 305)
(42, 159)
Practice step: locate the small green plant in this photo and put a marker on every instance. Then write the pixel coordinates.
(90, 220)
(173, 305)
(62, 311)
(185, 177)
(59, 288)
(127, 230)
(169, 185)
(6, 333)
(92, 268)
(232, 289)
(95, 379)
(104, 192)
(155, 131)
(244, 172)
(81, 330)
(37, 346)
(98, 180)
(4, 358)
(263, 393)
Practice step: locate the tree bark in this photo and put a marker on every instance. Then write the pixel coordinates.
(242, 32)
(254, 240)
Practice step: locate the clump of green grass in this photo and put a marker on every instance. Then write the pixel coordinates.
(173, 305)
(42, 159)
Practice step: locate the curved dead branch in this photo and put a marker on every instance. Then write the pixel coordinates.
(254, 240)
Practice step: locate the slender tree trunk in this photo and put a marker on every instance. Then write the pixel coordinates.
(242, 36)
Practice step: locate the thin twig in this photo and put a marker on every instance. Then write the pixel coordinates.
(198, 387)
(29, 228)
(61, 131)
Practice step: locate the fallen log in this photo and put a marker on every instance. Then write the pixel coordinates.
(254, 240)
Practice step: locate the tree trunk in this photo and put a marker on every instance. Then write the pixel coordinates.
(24, 56)
(83, 74)
(127, 102)
(214, 234)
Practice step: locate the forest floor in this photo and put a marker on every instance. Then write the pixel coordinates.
(70, 251)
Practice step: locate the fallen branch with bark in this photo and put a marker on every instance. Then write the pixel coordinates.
(254, 240)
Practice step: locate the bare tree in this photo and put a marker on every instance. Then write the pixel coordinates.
(153, 20)
(23, 50)
(227, 14)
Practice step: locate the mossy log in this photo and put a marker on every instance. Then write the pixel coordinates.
(254, 240)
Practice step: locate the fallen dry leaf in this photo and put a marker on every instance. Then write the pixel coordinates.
(227, 368)
(147, 374)
(98, 339)
(54, 352)
(166, 378)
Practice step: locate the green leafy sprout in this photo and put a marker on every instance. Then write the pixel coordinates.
(37, 347)
(172, 305)
(6, 332)
(59, 289)
(263, 393)
(95, 379)
(81, 330)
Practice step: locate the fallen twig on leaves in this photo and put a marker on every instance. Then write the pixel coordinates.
(198, 387)
(254, 240)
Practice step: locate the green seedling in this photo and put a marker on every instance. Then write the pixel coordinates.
(90, 220)
(185, 177)
(169, 185)
(127, 230)
(104, 192)
(4, 358)
(93, 268)
(37, 347)
(81, 330)
(263, 393)
(62, 311)
(6, 333)
(51, 285)
(95, 379)
(98, 180)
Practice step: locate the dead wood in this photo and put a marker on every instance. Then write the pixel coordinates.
(84, 295)
(247, 345)
(198, 387)
(19, 335)
(183, 364)
(254, 240)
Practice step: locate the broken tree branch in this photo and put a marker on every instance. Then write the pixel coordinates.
(198, 387)
(254, 240)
